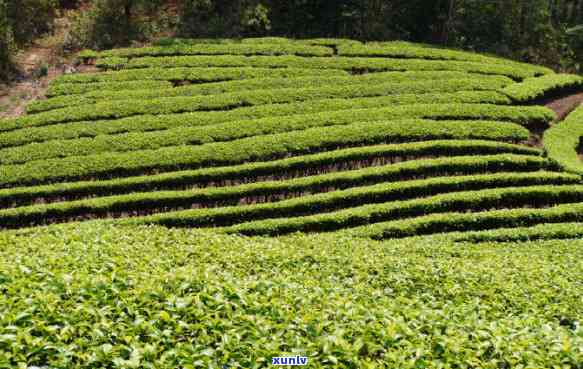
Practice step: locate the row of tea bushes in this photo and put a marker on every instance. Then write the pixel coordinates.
(275, 219)
(352, 64)
(404, 158)
(278, 92)
(261, 148)
(307, 204)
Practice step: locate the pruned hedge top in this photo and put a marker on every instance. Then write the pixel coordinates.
(361, 64)
(260, 96)
(535, 88)
(277, 88)
(396, 49)
(218, 49)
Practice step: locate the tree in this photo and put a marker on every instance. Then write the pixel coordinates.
(5, 42)
(30, 19)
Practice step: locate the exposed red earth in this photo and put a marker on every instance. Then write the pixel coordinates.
(564, 105)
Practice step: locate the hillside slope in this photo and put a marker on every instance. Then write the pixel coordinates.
(272, 136)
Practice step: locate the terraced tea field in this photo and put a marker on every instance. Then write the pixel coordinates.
(270, 137)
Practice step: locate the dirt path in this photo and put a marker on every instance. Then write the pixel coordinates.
(29, 85)
(32, 82)
(564, 105)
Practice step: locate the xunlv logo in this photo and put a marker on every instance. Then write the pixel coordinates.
(289, 360)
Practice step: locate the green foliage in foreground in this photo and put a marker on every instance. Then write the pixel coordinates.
(563, 140)
(97, 295)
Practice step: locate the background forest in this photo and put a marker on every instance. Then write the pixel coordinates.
(548, 32)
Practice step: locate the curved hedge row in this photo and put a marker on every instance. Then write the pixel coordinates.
(455, 222)
(411, 104)
(196, 135)
(198, 75)
(400, 49)
(60, 89)
(330, 201)
(563, 140)
(224, 132)
(220, 132)
(213, 88)
(322, 87)
(229, 131)
(485, 158)
(38, 131)
(539, 87)
(218, 49)
(262, 219)
(270, 40)
(322, 63)
(550, 231)
(259, 111)
(275, 96)
(254, 149)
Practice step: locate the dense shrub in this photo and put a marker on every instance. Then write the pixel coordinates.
(101, 26)
(150, 297)
(223, 18)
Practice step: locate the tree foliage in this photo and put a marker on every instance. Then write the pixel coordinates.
(540, 31)
(5, 41)
(21, 21)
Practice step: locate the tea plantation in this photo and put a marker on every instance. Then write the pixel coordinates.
(410, 207)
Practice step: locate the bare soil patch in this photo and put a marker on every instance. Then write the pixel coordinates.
(38, 65)
(564, 105)
(30, 85)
